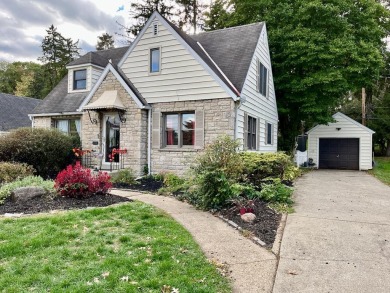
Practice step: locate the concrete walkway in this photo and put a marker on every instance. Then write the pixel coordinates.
(339, 238)
(252, 268)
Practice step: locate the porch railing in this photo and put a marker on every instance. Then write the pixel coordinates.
(117, 159)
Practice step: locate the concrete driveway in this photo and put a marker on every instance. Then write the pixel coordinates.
(339, 238)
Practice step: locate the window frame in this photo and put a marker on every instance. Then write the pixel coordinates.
(69, 131)
(269, 133)
(262, 79)
(180, 131)
(150, 60)
(75, 80)
(251, 127)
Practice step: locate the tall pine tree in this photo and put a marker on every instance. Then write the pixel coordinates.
(57, 53)
(105, 42)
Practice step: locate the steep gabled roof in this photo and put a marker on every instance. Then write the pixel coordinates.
(232, 49)
(125, 82)
(101, 58)
(59, 100)
(14, 111)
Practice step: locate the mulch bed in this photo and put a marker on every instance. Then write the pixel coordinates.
(263, 227)
(47, 203)
(145, 184)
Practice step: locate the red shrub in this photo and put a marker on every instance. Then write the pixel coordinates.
(76, 181)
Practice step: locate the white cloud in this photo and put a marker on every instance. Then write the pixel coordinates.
(23, 24)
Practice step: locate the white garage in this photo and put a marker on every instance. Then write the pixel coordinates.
(345, 144)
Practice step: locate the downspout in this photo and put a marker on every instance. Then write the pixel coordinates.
(32, 120)
(149, 140)
(238, 103)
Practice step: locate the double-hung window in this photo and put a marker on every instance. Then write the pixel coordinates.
(154, 65)
(262, 79)
(68, 126)
(179, 129)
(269, 133)
(251, 132)
(80, 79)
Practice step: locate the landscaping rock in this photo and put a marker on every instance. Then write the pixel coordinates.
(248, 217)
(24, 194)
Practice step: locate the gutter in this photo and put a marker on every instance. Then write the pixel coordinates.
(55, 114)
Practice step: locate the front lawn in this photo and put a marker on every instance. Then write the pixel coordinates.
(127, 248)
(381, 169)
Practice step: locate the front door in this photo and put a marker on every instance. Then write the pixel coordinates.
(111, 136)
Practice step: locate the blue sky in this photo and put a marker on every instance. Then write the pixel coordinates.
(23, 24)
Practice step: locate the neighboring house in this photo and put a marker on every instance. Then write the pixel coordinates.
(344, 144)
(168, 95)
(14, 112)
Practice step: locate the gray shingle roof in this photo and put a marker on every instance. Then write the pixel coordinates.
(59, 101)
(232, 49)
(14, 111)
(101, 58)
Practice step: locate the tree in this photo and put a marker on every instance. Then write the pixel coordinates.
(218, 17)
(320, 51)
(191, 13)
(105, 42)
(57, 53)
(142, 11)
(17, 78)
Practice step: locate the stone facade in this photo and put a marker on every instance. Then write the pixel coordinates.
(219, 119)
(42, 122)
(133, 133)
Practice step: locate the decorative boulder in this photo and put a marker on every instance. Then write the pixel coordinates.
(248, 217)
(24, 194)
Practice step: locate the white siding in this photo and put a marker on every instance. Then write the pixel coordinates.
(348, 130)
(93, 75)
(255, 104)
(181, 77)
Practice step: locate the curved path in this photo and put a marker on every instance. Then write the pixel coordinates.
(252, 268)
(339, 238)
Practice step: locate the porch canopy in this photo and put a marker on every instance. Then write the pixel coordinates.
(108, 100)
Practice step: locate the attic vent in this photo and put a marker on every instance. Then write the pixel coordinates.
(155, 29)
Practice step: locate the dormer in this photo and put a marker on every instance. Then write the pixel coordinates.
(81, 78)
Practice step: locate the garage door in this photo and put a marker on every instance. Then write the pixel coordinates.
(339, 153)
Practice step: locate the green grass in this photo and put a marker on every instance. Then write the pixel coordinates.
(127, 248)
(381, 169)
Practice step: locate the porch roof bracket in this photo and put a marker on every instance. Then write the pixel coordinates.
(93, 120)
(121, 114)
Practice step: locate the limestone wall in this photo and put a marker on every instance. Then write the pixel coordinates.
(133, 133)
(219, 119)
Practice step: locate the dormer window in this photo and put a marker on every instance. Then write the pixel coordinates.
(155, 29)
(154, 60)
(80, 79)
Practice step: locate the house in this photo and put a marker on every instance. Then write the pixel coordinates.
(167, 95)
(343, 144)
(14, 112)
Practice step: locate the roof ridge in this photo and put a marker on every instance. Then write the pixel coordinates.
(20, 97)
(228, 28)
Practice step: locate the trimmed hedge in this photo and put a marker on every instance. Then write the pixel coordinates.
(47, 150)
(12, 171)
(261, 166)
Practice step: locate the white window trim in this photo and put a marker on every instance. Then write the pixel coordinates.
(266, 133)
(256, 120)
(150, 60)
(258, 74)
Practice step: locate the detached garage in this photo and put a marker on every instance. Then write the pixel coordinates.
(345, 144)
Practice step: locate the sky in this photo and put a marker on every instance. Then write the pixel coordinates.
(23, 24)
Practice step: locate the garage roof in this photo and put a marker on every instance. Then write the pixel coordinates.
(339, 114)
